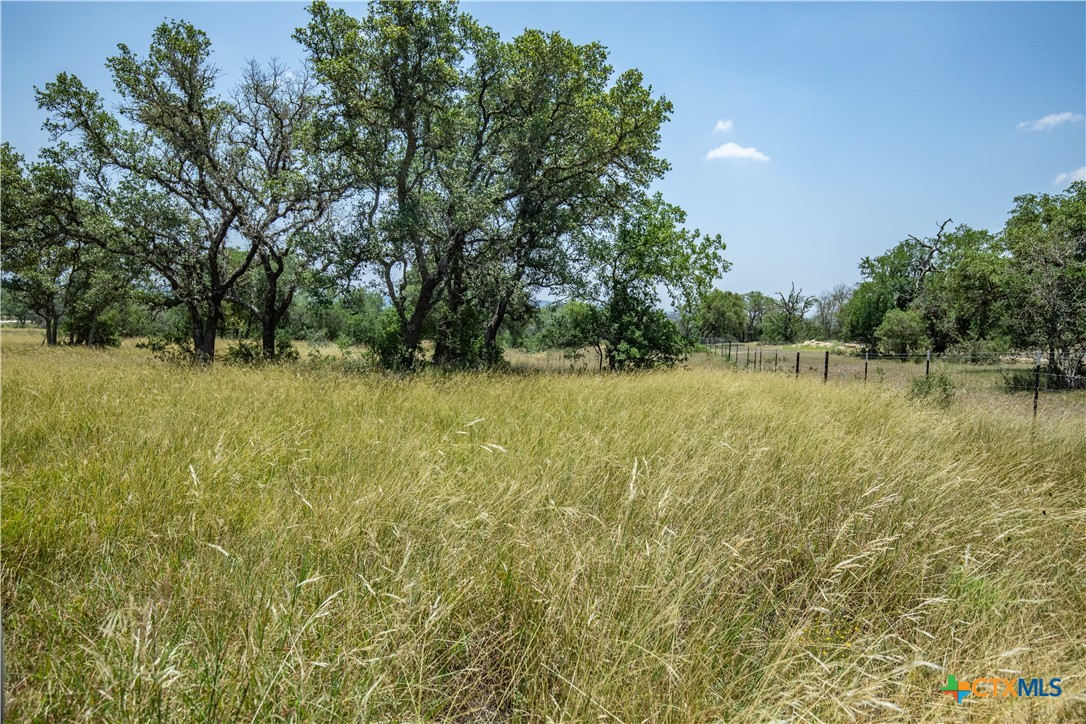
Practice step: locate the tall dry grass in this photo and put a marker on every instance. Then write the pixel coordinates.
(297, 543)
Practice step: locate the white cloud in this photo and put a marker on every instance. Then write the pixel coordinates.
(722, 126)
(1050, 121)
(734, 150)
(1079, 174)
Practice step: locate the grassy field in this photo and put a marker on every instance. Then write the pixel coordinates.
(994, 385)
(300, 543)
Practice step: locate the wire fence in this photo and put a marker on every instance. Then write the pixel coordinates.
(970, 374)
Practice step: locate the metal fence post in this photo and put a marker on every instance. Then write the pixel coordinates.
(927, 365)
(748, 358)
(1036, 382)
(826, 368)
(865, 367)
(775, 353)
(797, 364)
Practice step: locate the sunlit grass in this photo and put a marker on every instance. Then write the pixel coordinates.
(295, 542)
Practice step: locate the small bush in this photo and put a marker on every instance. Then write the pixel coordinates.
(244, 352)
(937, 388)
(172, 348)
(251, 351)
(285, 351)
(902, 332)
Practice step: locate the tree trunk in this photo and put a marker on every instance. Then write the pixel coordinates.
(211, 330)
(490, 337)
(412, 335)
(412, 329)
(51, 324)
(269, 320)
(274, 310)
(204, 332)
(267, 334)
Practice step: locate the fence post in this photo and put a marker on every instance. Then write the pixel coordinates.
(865, 366)
(826, 368)
(797, 364)
(748, 358)
(1036, 382)
(775, 353)
(927, 365)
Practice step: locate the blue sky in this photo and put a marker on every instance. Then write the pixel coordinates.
(851, 125)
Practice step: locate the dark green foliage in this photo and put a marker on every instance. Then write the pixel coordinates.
(786, 321)
(902, 332)
(937, 389)
(722, 314)
(478, 162)
(645, 249)
(471, 176)
(863, 313)
(638, 336)
(1045, 282)
(70, 285)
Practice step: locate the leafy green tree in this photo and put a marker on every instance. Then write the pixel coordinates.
(477, 162)
(647, 249)
(61, 279)
(38, 262)
(1046, 276)
(864, 311)
(286, 188)
(890, 281)
(902, 332)
(758, 307)
(167, 170)
(963, 303)
(722, 314)
(574, 326)
(785, 324)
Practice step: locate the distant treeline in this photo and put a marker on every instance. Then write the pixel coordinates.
(970, 292)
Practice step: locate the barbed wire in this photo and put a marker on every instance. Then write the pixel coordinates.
(1016, 372)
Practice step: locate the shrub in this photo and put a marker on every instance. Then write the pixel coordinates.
(245, 352)
(937, 388)
(902, 332)
(172, 347)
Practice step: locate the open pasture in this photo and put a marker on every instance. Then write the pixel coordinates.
(297, 542)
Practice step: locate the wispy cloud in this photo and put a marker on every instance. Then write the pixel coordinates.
(1079, 174)
(1050, 121)
(722, 126)
(734, 150)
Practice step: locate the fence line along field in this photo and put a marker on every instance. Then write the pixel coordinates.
(999, 384)
(295, 542)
